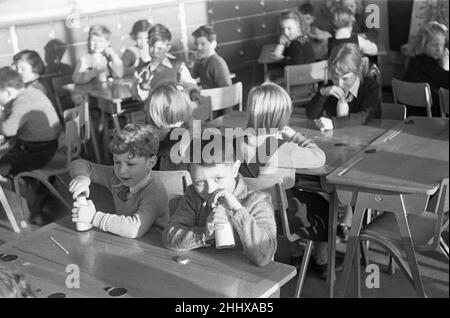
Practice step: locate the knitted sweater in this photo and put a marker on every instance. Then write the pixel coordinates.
(32, 118)
(213, 72)
(254, 224)
(145, 208)
(299, 51)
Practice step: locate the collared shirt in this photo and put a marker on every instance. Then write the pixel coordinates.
(138, 186)
(185, 75)
(353, 91)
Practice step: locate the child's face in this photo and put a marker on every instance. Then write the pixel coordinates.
(309, 19)
(98, 44)
(142, 40)
(345, 81)
(131, 171)
(159, 50)
(350, 4)
(208, 179)
(204, 47)
(435, 46)
(291, 29)
(5, 97)
(26, 71)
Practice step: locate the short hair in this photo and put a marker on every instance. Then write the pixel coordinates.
(223, 153)
(296, 16)
(346, 58)
(140, 26)
(343, 17)
(358, 4)
(306, 8)
(207, 31)
(13, 284)
(99, 30)
(269, 106)
(10, 78)
(32, 58)
(57, 47)
(426, 33)
(137, 139)
(167, 104)
(158, 32)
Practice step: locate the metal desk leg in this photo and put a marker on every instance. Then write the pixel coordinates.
(332, 229)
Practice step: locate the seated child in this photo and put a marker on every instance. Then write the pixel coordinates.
(219, 194)
(140, 200)
(360, 26)
(134, 56)
(168, 108)
(30, 66)
(162, 67)
(343, 21)
(319, 38)
(54, 52)
(294, 43)
(13, 284)
(209, 67)
(352, 99)
(430, 64)
(27, 114)
(101, 61)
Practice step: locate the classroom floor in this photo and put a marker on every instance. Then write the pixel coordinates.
(434, 266)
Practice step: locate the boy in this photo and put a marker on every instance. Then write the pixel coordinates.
(219, 194)
(101, 62)
(27, 114)
(162, 67)
(210, 67)
(319, 38)
(140, 200)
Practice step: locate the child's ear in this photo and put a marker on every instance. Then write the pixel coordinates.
(169, 46)
(214, 44)
(151, 162)
(236, 166)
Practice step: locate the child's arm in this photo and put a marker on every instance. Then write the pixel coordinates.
(182, 233)
(130, 62)
(83, 73)
(100, 174)
(255, 224)
(115, 62)
(10, 126)
(221, 74)
(367, 47)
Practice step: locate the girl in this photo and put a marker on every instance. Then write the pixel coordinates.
(430, 63)
(30, 67)
(101, 62)
(294, 43)
(353, 98)
(168, 107)
(269, 108)
(343, 21)
(138, 54)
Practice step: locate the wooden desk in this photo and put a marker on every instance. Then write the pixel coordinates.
(143, 267)
(399, 177)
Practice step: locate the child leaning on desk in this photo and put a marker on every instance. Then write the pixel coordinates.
(217, 196)
(140, 200)
(135, 56)
(353, 96)
(101, 61)
(30, 66)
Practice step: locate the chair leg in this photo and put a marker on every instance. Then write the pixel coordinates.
(443, 246)
(303, 268)
(358, 267)
(391, 265)
(23, 222)
(9, 213)
(364, 253)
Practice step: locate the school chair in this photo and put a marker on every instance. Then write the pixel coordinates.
(176, 183)
(412, 94)
(273, 186)
(201, 108)
(224, 97)
(302, 80)
(425, 230)
(443, 101)
(60, 162)
(7, 207)
(62, 97)
(393, 111)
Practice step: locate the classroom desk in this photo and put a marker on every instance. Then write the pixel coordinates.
(266, 57)
(399, 177)
(339, 146)
(142, 267)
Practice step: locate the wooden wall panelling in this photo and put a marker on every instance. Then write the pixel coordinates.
(232, 53)
(5, 47)
(274, 5)
(229, 30)
(222, 10)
